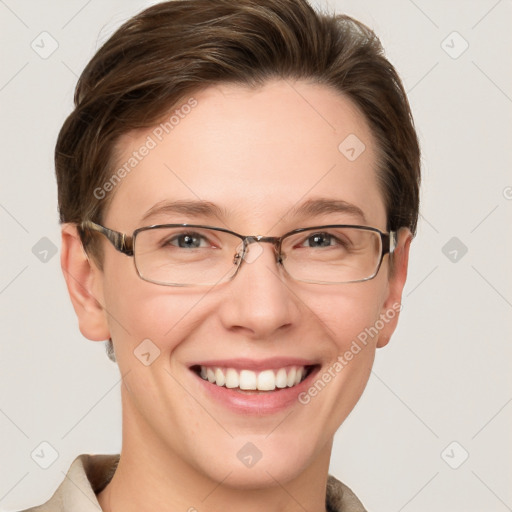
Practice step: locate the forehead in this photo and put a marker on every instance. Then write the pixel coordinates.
(256, 153)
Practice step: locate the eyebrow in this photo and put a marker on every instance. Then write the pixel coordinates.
(199, 208)
(186, 207)
(316, 207)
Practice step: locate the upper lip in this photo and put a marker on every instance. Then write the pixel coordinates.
(255, 364)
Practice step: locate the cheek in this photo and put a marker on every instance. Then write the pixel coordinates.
(346, 311)
(346, 314)
(137, 310)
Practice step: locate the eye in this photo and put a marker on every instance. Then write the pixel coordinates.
(187, 241)
(322, 239)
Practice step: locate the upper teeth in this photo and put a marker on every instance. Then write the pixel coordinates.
(265, 380)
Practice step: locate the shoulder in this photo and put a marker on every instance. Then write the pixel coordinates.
(340, 498)
(86, 477)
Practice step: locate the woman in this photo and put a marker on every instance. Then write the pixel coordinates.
(238, 190)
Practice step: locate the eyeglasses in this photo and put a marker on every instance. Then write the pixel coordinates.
(196, 255)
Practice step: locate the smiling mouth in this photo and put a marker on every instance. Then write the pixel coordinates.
(253, 381)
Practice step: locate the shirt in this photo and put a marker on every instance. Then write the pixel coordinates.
(88, 475)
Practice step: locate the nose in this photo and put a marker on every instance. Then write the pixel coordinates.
(258, 300)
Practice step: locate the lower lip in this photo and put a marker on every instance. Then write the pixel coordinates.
(257, 403)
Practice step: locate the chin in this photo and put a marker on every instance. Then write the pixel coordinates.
(254, 463)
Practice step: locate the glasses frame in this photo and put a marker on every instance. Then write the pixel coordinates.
(125, 244)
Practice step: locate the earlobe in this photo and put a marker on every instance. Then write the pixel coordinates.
(84, 283)
(398, 276)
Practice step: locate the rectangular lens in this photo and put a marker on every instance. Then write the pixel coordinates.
(183, 255)
(332, 255)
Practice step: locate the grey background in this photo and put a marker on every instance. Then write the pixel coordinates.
(446, 375)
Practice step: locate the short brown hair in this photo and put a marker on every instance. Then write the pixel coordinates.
(176, 48)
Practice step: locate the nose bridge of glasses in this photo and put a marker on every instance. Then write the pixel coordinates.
(274, 240)
(244, 251)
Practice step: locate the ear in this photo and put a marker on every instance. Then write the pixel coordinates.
(84, 281)
(397, 277)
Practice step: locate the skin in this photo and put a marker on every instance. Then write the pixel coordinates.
(257, 153)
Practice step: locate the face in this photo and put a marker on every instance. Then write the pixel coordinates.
(258, 155)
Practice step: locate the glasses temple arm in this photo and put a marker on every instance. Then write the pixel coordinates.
(120, 241)
(389, 241)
